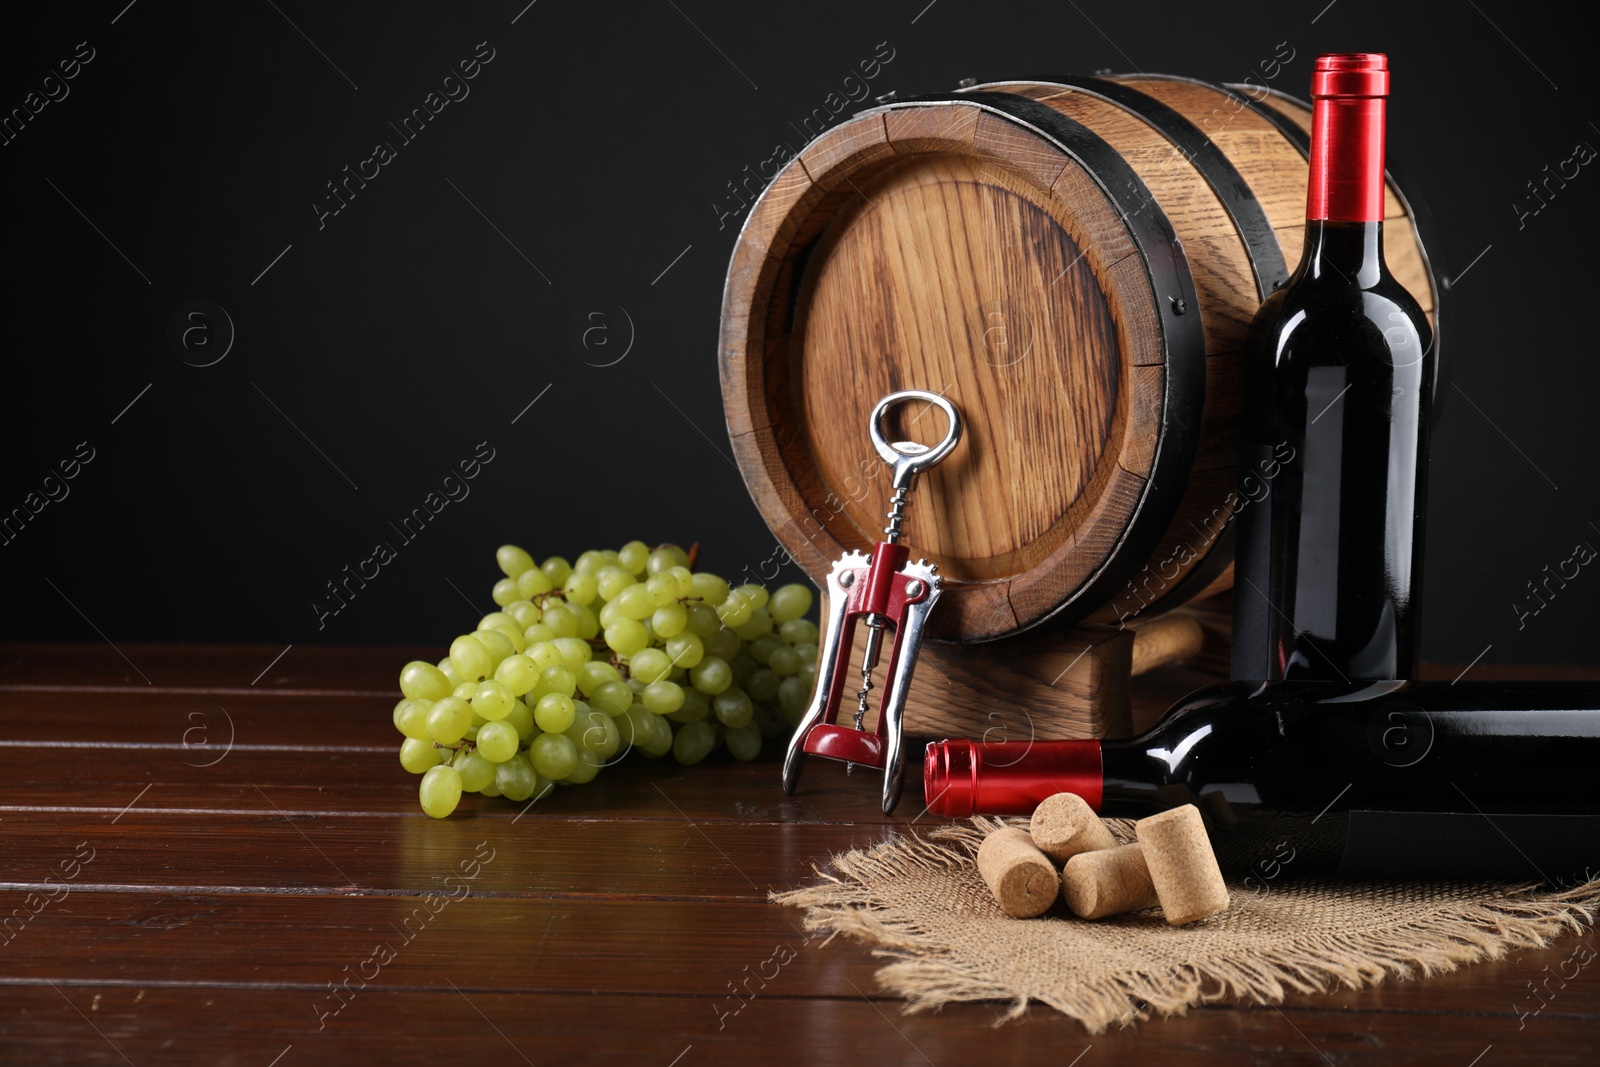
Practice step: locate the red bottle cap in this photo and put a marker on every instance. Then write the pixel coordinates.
(1349, 93)
(1351, 74)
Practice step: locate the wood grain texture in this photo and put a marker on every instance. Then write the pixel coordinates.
(623, 920)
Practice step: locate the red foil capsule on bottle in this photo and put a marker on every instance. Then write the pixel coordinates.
(1349, 91)
(961, 778)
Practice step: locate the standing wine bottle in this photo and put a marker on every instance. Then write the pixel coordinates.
(1388, 778)
(1338, 374)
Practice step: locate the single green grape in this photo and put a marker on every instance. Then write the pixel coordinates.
(763, 685)
(557, 679)
(693, 742)
(448, 720)
(420, 680)
(785, 662)
(537, 634)
(440, 791)
(513, 633)
(584, 770)
(756, 593)
(789, 603)
(793, 696)
(580, 588)
(417, 755)
(517, 673)
(470, 659)
(611, 581)
(561, 620)
(491, 790)
(735, 611)
(493, 619)
(807, 653)
(516, 778)
(588, 623)
(799, 632)
(703, 620)
(534, 583)
(649, 665)
(554, 713)
(493, 700)
(626, 637)
(669, 619)
(732, 707)
(546, 654)
(505, 591)
(497, 741)
(589, 562)
(744, 742)
(523, 613)
(636, 602)
(557, 570)
(686, 650)
(664, 557)
(633, 557)
(712, 675)
(521, 720)
(448, 669)
(476, 770)
(411, 718)
(600, 734)
(710, 588)
(662, 697)
(724, 644)
(808, 674)
(498, 645)
(613, 698)
(663, 588)
(513, 561)
(553, 755)
(575, 652)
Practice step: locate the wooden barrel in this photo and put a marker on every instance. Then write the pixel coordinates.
(1074, 263)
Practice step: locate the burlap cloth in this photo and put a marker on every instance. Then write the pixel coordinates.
(921, 900)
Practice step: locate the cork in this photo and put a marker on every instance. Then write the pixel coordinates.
(1022, 879)
(1065, 825)
(1107, 881)
(1183, 868)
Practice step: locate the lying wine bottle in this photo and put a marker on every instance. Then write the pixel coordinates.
(1387, 778)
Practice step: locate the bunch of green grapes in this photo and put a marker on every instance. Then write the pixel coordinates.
(619, 651)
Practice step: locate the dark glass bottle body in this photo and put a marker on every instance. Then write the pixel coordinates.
(1333, 458)
(1337, 378)
(1388, 778)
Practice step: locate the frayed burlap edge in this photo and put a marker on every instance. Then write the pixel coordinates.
(1515, 917)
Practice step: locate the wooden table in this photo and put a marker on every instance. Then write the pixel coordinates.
(212, 860)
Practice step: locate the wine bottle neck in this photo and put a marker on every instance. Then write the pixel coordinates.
(1349, 251)
(1347, 146)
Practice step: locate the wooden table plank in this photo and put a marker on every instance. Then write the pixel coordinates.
(102, 1024)
(609, 924)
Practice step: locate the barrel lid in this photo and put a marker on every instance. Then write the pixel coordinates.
(987, 248)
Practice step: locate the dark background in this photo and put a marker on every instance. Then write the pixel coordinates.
(584, 171)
